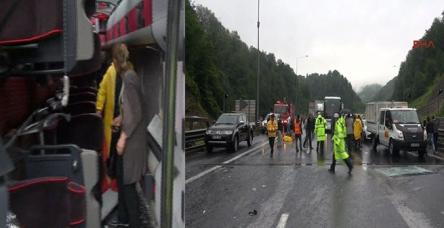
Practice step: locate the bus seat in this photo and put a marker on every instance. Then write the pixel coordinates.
(84, 130)
(83, 96)
(90, 161)
(48, 202)
(75, 89)
(83, 107)
(54, 160)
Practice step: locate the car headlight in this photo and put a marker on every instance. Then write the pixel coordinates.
(399, 134)
(227, 132)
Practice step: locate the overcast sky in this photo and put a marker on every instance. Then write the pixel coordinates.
(365, 40)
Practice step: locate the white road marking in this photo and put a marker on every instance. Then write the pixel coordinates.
(191, 179)
(283, 221)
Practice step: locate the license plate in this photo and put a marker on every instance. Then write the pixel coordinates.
(414, 145)
(217, 137)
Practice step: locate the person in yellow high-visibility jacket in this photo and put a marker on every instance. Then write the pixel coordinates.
(272, 129)
(339, 148)
(105, 106)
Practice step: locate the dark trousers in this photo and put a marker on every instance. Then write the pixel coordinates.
(298, 138)
(350, 142)
(271, 142)
(128, 201)
(320, 146)
(308, 138)
(435, 140)
(347, 162)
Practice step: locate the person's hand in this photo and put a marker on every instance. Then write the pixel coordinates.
(117, 121)
(121, 144)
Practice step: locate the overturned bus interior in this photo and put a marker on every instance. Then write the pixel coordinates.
(53, 55)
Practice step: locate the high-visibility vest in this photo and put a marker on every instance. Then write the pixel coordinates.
(297, 127)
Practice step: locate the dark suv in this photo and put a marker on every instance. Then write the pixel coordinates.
(228, 131)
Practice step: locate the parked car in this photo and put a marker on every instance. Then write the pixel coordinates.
(228, 131)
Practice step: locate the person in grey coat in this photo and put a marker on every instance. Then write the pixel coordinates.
(131, 145)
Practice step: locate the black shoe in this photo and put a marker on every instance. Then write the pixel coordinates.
(116, 223)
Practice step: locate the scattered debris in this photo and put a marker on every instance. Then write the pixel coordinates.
(402, 171)
(204, 211)
(254, 189)
(252, 213)
(264, 186)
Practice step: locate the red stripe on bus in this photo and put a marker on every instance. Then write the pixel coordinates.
(38, 181)
(32, 38)
(148, 12)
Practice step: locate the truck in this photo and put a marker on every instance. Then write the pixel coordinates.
(285, 111)
(395, 126)
(248, 107)
(315, 106)
(332, 105)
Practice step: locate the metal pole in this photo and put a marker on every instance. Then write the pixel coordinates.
(169, 99)
(258, 65)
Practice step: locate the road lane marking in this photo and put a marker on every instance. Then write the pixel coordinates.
(429, 155)
(283, 221)
(191, 179)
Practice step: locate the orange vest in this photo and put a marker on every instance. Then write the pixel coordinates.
(297, 128)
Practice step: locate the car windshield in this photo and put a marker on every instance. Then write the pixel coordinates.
(405, 116)
(227, 119)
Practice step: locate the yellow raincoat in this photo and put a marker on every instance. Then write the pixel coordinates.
(357, 129)
(105, 105)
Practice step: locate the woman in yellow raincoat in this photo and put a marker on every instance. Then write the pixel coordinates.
(357, 131)
(105, 108)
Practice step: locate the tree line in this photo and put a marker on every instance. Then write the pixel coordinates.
(219, 63)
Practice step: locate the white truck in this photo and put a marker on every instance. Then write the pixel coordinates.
(394, 125)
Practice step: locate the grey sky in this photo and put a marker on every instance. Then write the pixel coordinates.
(362, 39)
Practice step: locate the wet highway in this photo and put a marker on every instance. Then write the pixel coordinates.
(250, 189)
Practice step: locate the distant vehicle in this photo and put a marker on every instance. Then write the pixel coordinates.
(228, 131)
(315, 107)
(332, 105)
(372, 110)
(365, 133)
(248, 107)
(398, 128)
(285, 111)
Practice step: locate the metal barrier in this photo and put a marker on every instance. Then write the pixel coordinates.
(194, 139)
(195, 133)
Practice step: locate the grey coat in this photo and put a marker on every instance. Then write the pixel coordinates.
(133, 124)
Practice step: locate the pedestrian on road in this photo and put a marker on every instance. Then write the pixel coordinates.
(280, 133)
(339, 148)
(430, 130)
(272, 129)
(350, 139)
(297, 128)
(320, 126)
(357, 131)
(309, 127)
(435, 132)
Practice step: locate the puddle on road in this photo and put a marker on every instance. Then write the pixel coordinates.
(403, 171)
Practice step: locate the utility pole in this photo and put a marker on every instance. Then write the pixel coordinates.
(258, 65)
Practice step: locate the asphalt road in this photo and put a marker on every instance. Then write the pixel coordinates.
(250, 189)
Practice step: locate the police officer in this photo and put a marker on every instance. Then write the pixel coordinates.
(339, 148)
(320, 125)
